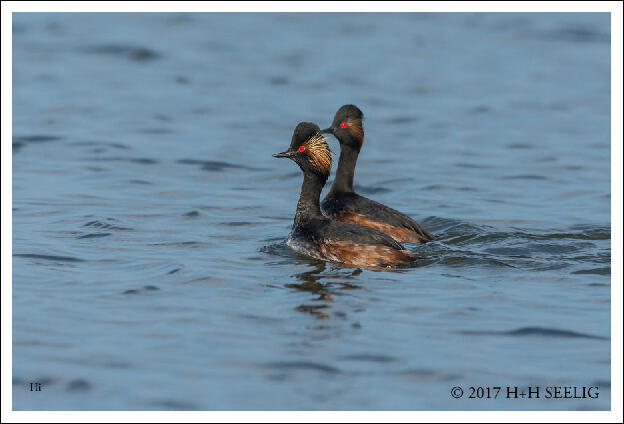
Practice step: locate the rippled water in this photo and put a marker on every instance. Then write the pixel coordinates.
(149, 218)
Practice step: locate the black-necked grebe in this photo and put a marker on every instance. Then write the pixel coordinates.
(343, 204)
(324, 238)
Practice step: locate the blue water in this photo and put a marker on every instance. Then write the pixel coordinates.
(149, 218)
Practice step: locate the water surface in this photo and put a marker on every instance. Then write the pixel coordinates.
(149, 218)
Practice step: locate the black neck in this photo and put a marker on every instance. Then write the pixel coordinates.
(308, 206)
(343, 182)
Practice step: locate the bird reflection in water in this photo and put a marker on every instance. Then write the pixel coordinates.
(311, 282)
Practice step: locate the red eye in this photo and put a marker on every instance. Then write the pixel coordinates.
(343, 125)
(302, 148)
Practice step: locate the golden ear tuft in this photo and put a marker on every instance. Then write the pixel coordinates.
(317, 150)
(356, 129)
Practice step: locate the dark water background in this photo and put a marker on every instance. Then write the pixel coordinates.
(149, 218)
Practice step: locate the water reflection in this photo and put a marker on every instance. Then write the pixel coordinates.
(324, 291)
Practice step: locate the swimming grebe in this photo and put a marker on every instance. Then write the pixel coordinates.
(343, 204)
(322, 237)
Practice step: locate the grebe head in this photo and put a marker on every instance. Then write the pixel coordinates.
(309, 149)
(347, 126)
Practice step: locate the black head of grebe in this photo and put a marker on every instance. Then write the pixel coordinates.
(347, 127)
